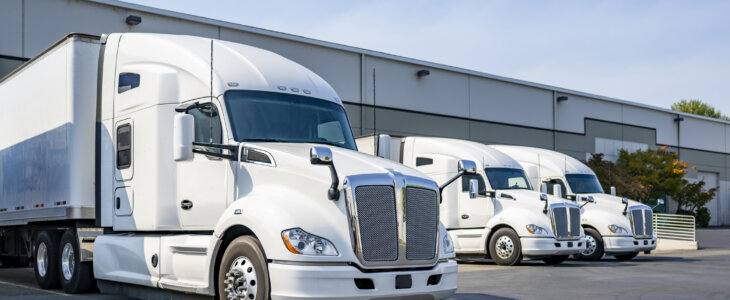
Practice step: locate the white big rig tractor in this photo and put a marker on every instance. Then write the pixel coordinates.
(493, 212)
(150, 163)
(613, 226)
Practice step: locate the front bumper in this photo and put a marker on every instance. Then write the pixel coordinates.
(551, 246)
(627, 244)
(297, 281)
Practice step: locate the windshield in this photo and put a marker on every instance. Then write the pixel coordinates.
(507, 179)
(584, 184)
(276, 117)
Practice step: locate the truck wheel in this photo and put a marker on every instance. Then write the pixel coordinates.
(76, 276)
(594, 246)
(45, 259)
(505, 248)
(243, 273)
(628, 256)
(555, 260)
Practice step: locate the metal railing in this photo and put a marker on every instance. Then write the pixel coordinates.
(674, 227)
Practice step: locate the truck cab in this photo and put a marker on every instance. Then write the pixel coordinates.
(614, 226)
(494, 212)
(215, 168)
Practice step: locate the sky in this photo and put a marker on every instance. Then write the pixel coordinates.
(651, 52)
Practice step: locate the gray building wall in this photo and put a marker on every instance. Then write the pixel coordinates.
(383, 91)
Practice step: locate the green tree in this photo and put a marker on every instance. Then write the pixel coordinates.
(691, 200)
(659, 171)
(610, 174)
(697, 107)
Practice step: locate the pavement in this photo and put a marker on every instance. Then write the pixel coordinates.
(700, 274)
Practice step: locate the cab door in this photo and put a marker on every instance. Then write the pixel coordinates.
(474, 212)
(202, 182)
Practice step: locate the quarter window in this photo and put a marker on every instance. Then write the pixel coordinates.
(465, 183)
(207, 125)
(127, 81)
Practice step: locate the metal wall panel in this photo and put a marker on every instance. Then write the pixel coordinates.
(572, 113)
(499, 101)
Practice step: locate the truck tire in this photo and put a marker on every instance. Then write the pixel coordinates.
(505, 248)
(76, 276)
(243, 273)
(594, 246)
(627, 256)
(555, 260)
(45, 259)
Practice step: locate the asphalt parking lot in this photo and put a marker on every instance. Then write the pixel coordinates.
(702, 274)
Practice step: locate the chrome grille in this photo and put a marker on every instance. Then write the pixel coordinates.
(377, 221)
(641, 222)
(566, 221)
(421, 216)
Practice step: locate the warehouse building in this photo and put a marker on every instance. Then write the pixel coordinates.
(403, 96)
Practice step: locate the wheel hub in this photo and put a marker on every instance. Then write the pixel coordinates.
(67, 261)
(504, 247)
(241, 279)
(42, 259)
(590, 245)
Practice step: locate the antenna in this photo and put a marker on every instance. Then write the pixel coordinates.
(210, 120)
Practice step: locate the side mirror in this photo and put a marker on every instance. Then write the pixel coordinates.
(613, 191)
(543, 188)
(183, 137)
(323, 156)
(473, 188)
(467, 167)
(320, 156)
(658, 203)
(588, 199)
(557, 191)
(544, 197)
(624, 201)
(383, 149)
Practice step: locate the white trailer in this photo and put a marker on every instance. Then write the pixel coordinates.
(613, 225)
(492, 212)
(146, 162)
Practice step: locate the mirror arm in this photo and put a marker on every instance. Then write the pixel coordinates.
(333, 193)
(443, 186)
(232, 149)
(626, 208)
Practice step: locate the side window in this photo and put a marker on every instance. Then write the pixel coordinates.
(465, 183)
(207, 125)
(556, 182)
(127, 81)
(424, 161)
(124, 146)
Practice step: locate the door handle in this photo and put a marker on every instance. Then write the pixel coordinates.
(186, 204)
(119, 203)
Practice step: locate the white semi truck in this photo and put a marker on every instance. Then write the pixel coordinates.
(148, 163)
(493, 212)
(614, 226)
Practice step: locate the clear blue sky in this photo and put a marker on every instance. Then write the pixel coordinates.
(652, 52)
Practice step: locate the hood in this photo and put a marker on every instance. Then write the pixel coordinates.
(529, 198)
(609, 202)
(295, 156)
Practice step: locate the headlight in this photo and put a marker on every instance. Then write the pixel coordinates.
(534, 229)
(448, 244)
(298, 241)
(617, 229)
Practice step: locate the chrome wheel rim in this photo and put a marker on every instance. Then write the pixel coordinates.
(504, 247)
(590, 245)
(41, 259)
(67, 261)
(241, 279)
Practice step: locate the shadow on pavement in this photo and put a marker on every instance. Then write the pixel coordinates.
(478, 297)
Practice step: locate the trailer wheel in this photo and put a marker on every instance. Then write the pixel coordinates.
(628, 256)
(45, 259)
(76, 276)
(594, 246)
(555, 260)
(505, 248)
(243, 273)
